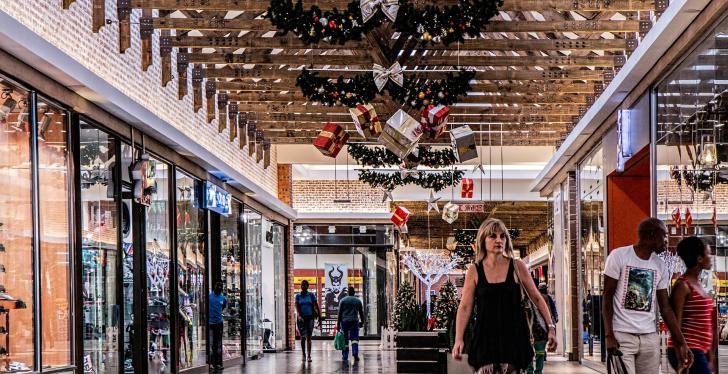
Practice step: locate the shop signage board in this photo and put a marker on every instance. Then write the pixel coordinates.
(336, 281)
(472, 208)
(217, 199)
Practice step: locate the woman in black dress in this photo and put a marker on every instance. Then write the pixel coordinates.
(501, 340)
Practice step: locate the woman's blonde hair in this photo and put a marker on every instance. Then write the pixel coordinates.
(488, 227)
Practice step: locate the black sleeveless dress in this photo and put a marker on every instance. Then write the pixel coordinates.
(501, 333)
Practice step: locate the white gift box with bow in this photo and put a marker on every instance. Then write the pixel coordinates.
(401, 134)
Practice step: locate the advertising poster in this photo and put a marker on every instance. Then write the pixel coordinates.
(335, 283)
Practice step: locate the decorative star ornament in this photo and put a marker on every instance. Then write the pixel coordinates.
(404, 173)
(387, 196)
(432, 203)
(479, 167)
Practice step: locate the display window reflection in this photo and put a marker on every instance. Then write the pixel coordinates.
(55, 254)
(16, 228)
(100, 249)
(157, 253)
(253, 282)
(191, 257)
(231, 279)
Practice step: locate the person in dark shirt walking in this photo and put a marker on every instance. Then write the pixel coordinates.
(349, 322)
(217, 303)
(308, 310)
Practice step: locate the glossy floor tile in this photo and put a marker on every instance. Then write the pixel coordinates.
(373, 360)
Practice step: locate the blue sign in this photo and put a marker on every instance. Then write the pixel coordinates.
(217, 199)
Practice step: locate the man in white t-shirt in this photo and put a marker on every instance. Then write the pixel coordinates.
(635, 280)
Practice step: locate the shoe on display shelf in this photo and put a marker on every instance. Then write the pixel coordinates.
(18, 367)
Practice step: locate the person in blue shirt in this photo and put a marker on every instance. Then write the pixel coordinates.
(349, 322)
(217, 303)
(308, 310)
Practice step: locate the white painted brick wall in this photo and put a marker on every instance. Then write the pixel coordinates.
(319, 195)
(70, 31)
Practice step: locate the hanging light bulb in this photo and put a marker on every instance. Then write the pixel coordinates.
(708, 153)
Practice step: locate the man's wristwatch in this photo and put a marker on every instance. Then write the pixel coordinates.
(552, 326)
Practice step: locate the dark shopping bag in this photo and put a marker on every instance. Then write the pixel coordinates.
(615, 363)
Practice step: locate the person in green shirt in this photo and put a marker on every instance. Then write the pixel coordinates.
(349, 320)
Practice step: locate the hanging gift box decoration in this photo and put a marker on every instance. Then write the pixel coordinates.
(450, 212)
(400, 216)
(434, 120)
(401, 134)
(466, 188)
(463, 143)
(366, 120)
(331, 139)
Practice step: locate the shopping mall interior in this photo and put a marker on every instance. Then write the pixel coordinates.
(152, 149)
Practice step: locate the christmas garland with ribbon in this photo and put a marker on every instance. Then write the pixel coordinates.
(379, 157)
(436, 181)
(362, 89)
(430, 24)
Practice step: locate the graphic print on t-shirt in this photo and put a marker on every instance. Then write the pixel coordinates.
(639, 289)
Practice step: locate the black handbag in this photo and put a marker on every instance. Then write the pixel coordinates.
(536, 322)
(615, 363)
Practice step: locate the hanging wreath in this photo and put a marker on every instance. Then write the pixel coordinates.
(362, 89)
(379, 157)
(430, 24)
(436, 181)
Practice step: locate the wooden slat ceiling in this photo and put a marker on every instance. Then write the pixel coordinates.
(539, 64)
(530, 217)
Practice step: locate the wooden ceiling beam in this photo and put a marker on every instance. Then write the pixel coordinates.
(264, 25)
(454, 118)
(298, 107)
(292, 42)
(356, 61)
(508, 5)
(510, 75)
(474, 99)
(527, 88)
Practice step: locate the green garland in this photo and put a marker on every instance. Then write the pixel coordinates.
(430, 24)
(428, 180)
(361, 89)
(379, 157)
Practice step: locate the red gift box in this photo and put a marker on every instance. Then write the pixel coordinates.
(400, 216)
(466, 188)
(331, 139)
(434, 120)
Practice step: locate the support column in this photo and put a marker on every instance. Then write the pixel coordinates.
(285, 183)
(575, 267)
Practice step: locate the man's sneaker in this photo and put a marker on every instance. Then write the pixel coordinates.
(356, 358)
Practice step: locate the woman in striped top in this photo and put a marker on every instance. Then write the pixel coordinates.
(694, 307)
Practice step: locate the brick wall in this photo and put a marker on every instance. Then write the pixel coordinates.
(70, 31)
(319, 196)
(669, 197)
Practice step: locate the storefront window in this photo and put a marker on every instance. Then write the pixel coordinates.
(231, 279)
(332, 260)
(591, 195)
(16, 228)
(191, 256)
(55, 252)
(99, 237)
(253, 282)
(273, 290)
(158, 265)
(691, 174)
(127, 246)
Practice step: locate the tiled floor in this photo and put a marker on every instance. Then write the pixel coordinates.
(327, 360)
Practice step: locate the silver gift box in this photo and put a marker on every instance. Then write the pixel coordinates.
(401, 134)
(450, 212)
(463, 143)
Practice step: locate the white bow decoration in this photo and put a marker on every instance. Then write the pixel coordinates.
(382, 75)
(369, 8)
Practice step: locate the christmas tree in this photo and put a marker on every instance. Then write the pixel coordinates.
(446, 309)
(406, 312)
